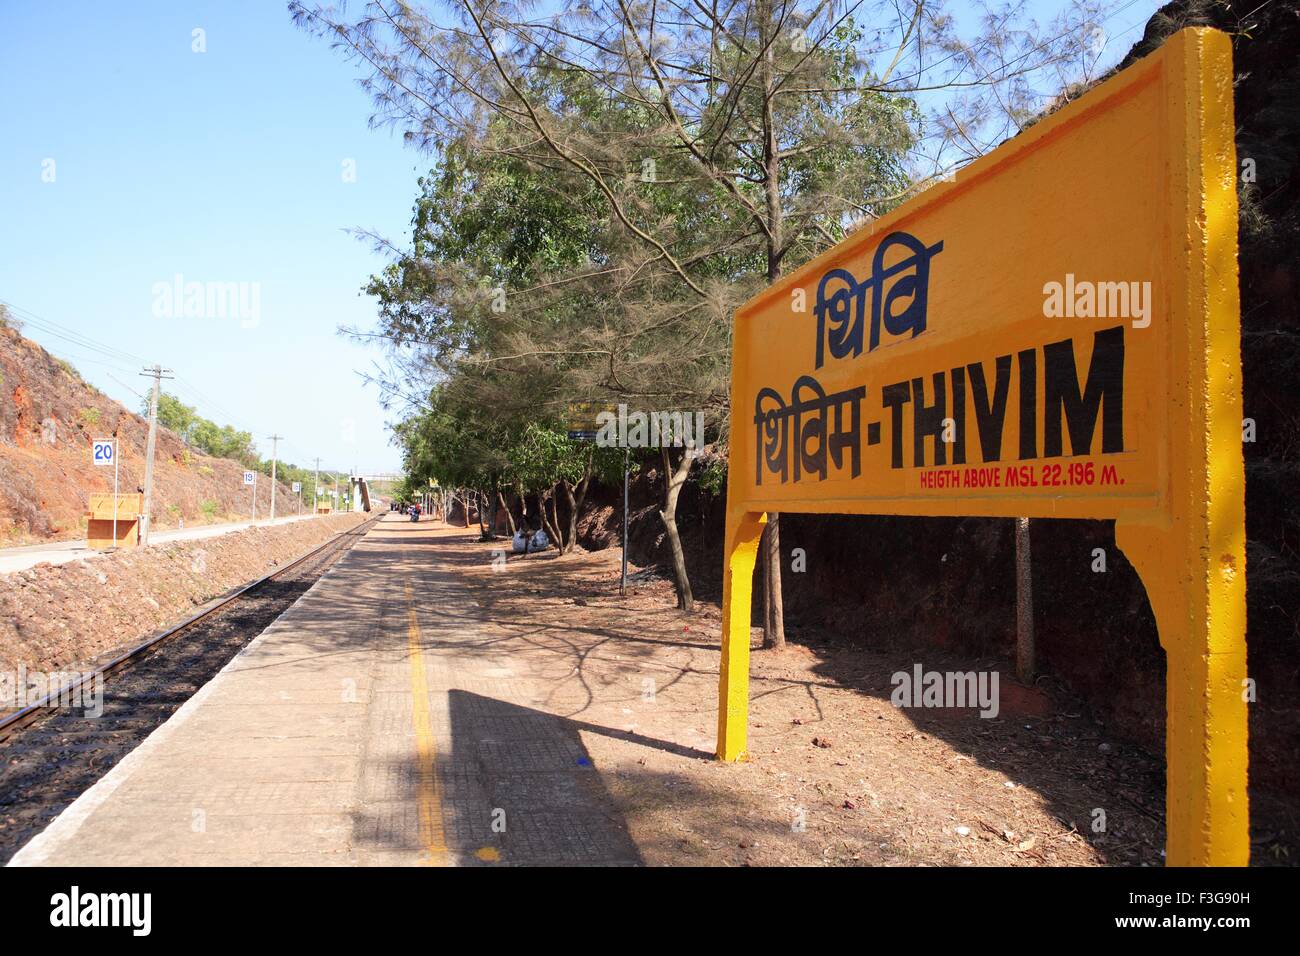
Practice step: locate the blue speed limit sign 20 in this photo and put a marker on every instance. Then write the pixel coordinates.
(103, 452)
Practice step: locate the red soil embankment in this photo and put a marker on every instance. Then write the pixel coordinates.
(68, 616)
(48, 418)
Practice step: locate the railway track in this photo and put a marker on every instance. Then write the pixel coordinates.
(52, 754)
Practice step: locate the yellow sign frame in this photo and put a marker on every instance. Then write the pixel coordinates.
(1181, 521)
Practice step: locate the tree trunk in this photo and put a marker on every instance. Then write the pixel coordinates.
(575, 504)
(555, 522)
(547, 525)
(1024, 604)
(773, 606)
(572, 502)
(560, 545)
(673, 481)
(482, 528)
(767, 591)
(774, 610)
(510, 515)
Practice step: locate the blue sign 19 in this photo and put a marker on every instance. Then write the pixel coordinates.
(103, 452)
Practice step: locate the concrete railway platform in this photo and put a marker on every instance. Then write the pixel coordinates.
(371, 724)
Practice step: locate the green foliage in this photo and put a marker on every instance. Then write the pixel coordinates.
(217, 441)
(173, 414)
(712, 475)
(612, 181)
(458, 446)
(223, 441)
(286, 473)
(209, 508)
(524, 291)
(89, 416)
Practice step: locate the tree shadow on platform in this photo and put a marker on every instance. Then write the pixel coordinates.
(1056, 755)
(518, 787)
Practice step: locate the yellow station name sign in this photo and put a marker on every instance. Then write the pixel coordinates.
(1053, 334)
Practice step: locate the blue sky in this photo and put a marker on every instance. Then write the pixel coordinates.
(221, 166)
(225, 166)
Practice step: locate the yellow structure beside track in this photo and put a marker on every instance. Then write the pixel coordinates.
(1054, 334)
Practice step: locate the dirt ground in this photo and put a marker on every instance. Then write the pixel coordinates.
(836, 774)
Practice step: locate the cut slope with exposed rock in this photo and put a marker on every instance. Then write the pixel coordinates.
(48, 417)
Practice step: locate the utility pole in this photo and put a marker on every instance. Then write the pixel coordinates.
(315, 487)
(622, 579)
(157, 373)
(275, 443)
(1024, 604)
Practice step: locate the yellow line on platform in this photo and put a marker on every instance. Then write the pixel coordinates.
(432, 835)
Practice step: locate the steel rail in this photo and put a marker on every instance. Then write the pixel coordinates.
(21, 718)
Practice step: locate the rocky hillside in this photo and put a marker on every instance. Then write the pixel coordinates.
(48, 418)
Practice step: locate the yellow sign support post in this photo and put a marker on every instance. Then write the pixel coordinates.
(1054, 334)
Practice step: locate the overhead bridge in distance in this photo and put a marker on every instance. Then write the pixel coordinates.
(361, 486)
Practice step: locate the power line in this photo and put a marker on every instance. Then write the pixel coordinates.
(114, 358)
(126, 386)
(72, 336)
(275, 440)
(157, 373)
(213, 404)
(83, 360)
(214, 407)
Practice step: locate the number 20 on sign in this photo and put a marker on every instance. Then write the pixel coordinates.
(1054, 334)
